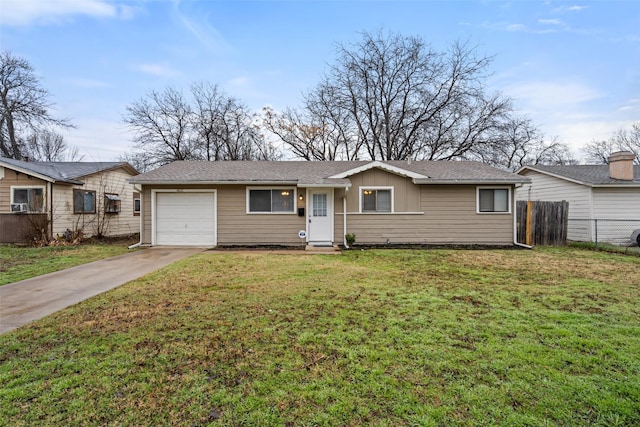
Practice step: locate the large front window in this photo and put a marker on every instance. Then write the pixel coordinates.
(84, 202)
(26, 199)
(376, 200)
(281, 200)
(493, 200)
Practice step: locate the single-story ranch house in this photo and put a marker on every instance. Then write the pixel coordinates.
(248, 203)
(92, 197)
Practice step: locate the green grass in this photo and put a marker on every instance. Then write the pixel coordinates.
(381, 337)
(19, 263)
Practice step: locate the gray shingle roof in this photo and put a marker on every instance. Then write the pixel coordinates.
(66, 172)
(586, 174)
(306, 173)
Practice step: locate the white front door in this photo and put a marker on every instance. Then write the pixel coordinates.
(320, 216)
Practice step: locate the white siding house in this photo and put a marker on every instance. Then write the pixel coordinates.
(598, 196)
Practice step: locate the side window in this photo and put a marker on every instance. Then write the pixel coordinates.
(136, 204)
(112, 203)
(376, 200)
(493, 200)
(27, 199)
(84, 201)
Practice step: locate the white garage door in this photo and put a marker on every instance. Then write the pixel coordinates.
(185, 219)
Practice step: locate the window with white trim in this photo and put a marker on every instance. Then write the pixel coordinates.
(493, 200)
(376, 199)
(271, 200)
(27, 199)
(136, 204)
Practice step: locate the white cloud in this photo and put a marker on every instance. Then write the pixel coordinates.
(157, 70)
(99, 140)
(205, 33)
(551, 21)
(26, 12)
(89, 83)
(558, 96)
(565, 9)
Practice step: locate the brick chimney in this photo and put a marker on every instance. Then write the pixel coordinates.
(621, 165)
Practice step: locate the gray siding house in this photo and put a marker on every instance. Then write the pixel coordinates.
(239, 203)
(607, 193)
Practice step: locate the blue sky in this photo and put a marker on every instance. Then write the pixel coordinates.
(572, 66)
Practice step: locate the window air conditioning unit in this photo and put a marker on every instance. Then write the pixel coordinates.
(19, 207)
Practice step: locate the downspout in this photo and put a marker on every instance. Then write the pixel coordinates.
(515, 221)
(51, 209)
(135, 245)
(344, 221)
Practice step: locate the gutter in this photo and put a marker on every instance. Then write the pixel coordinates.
(344, 215)
(135, 245)
(515, 222)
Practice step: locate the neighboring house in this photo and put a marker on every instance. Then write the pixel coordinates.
(92, 197)
(609, 194)
(231, 203)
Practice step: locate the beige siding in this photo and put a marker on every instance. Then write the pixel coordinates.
(122, 223)
(449, 217)
(10, 179)
(406, 194)
(439, 215)
(235, 226)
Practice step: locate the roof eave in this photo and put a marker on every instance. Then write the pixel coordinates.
(470, 181)
(218, 182)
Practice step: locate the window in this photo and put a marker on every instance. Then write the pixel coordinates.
(84, 201)
(111, 203)
(136, 204)
(493, 200)
(281, 200)
(27, 199)
(376, 200)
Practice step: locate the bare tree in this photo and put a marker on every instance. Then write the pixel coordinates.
(49, 146)
(519, 142)
(393, 97)
(622, 140)
(162, 123)
(24, 106)
(207, 126)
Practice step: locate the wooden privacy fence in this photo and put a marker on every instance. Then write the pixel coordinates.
(542, 223)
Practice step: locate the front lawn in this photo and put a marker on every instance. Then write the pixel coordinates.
(381, 337)
(19, 263)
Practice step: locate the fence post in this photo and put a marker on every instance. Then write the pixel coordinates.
(596, 227)
(529, 226)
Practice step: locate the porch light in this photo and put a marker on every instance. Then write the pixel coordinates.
(301, 197)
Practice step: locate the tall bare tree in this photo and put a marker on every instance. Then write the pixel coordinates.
(24, 106)
(622, 140)
(519, 142)
(162, 125)
(49, 146)
(207, 125)
(394, 97)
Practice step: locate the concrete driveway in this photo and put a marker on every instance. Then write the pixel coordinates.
(28, 300)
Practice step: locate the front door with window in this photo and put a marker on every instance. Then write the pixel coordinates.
(320, 216)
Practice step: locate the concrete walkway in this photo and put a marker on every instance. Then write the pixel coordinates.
(28, 300)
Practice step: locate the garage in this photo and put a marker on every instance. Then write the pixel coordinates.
(185, 218)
